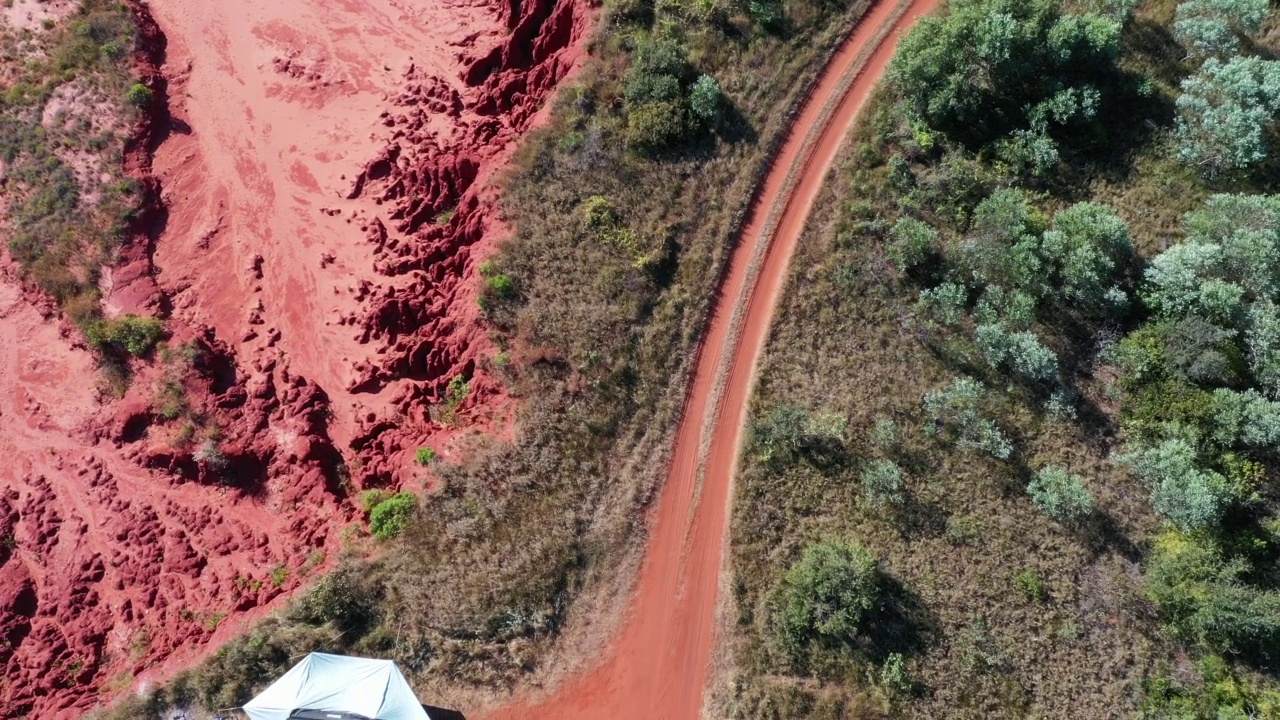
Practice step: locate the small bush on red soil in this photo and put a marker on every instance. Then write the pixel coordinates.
(391, 516)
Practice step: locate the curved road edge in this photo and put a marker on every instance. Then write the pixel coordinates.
(659, 666)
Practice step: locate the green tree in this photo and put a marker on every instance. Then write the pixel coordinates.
(988, 68)
(706, 100)
(1204, 598)
(1085, 251)
(1060, 495)
(1212, 27)
(826, 595)
(1224, 111)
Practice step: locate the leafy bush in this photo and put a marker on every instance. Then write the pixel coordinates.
(913, 241)
(134, 335)
(139, 95)
(987, 69)
(1182, 493)
(391, 516)
(1211, 27)
(826, 595)
(957, 408)
(1224, 112)
(1060, 495)
(1205, 599)
(706, 100)
(425, 456)
(882, 483)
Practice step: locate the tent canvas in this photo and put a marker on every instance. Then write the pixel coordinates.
(345, 686)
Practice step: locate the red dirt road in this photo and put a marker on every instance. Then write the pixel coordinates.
(659, 666)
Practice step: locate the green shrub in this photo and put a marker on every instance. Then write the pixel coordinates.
(963, 530)
(884, 434)
(913, 242)
(1021, 352)
(1224, 112)
(391, 516)
(957, 409)
(826, 595)
(882, 483)
(139, 95)
(1031, 584)
(706, 100)
(945, 303)
(1211, 27)
(425, 456)
(979, 650)
(500, 285)
(895, 679)
(369, 499)
(655, 126)
(1182, 493)
(1060, 495)
(131, 334)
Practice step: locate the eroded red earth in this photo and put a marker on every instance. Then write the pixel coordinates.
(318, 208)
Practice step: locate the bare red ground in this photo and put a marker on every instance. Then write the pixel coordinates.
(296, 234)
(659, 665)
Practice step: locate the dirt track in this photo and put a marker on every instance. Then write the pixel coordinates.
(659, 665)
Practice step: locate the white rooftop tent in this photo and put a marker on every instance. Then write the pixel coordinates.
(339, 687)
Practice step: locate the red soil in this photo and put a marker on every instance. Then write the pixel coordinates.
(302, 160)
(659, 665)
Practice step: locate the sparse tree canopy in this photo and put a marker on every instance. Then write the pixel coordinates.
(1224, 111)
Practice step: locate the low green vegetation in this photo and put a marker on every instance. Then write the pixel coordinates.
(390, 516)
(65, 115)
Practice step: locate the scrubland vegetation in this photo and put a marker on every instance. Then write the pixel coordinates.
(1037, 301)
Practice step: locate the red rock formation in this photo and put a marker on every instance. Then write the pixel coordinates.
(127, 547)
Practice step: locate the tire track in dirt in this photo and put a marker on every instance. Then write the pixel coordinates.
(659, 665)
